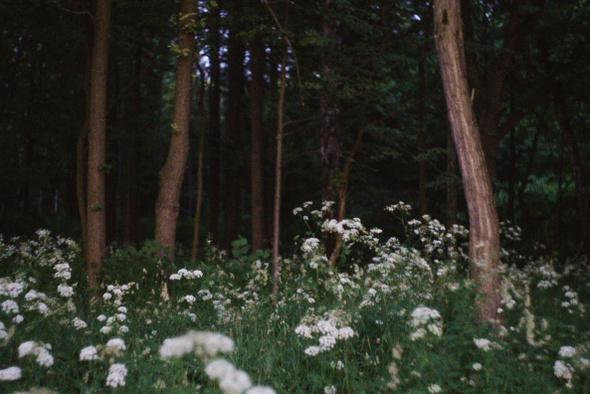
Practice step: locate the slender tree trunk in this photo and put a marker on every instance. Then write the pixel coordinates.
(97, 113)
(171, 175)
(579, 175)
(214, 126)
(256, 157)
(233, 126)
(330, 135)
(422, 202)
(484, 245)
(199, 202)
(278, 178)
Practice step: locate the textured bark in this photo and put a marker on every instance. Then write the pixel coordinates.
(97, 111)
(233, 126)
(331, 138)
(452, 181)
(256, 156)
(214, 127)
(171, 175)
(484, 245)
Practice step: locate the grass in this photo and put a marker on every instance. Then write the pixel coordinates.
(394, 317)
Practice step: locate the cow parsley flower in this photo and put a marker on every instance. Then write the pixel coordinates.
(567, 351)
(88, 353)
(117, 373)
(10, 374)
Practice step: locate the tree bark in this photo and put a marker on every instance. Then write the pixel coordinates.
(451, 181)
(171, 175)
(97, 113)
(256, 156)
(330, 135)
(214, 126)
(201, 151)
(484, 245)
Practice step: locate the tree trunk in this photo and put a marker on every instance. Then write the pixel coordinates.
(171, 175)
(256, 156)
(422, 202)
(202, 128)
(484, 245)
(451, 181)
(214, 126)
(278, 179)
(97, 113)
(233, 126)
(330, 135)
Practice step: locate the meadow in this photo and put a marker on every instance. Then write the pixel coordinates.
(395, 316)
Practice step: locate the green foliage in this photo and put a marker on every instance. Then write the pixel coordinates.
(396, 318)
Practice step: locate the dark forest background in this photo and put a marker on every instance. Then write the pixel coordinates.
(528, 64)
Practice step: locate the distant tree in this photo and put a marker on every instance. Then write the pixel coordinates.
(484, 245)
(171, 175)
(95, 200)
(235, 64)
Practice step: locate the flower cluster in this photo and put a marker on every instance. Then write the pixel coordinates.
(184, 273)
(425, 320)
(113, 301)
(31, 348)
(331, 330)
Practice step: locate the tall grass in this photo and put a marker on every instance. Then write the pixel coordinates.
(395, 316)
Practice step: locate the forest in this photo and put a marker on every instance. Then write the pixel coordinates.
(393, 182)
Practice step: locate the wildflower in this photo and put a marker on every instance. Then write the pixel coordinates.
(105, 329)
(88, 353)
(235, 383)
(79, 324)
(203, 343)
(563, 370)
(567, 351)
(303, 331)
(101, 318)
(10, 374)
(190, 299)
(422, 315)
(18, 319)
(218, 368)
(477, 366)
(44, 358)
(117, 373)
(312, 350)
(434, 388)
(483, 344)
(330, 390)
(123, 329)
(116, 345)
(65, 291)
(260, 390)
(10, 306)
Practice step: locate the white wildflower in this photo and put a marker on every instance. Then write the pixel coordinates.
(88, 353)
(10, 374)
(434, 388)
(65, 291)
(117, 373)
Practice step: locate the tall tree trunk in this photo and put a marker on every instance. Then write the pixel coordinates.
(256, 156)
(130, 184)
(579, 175)
(233, 125)
(214, 126)
(330, 134)
(451, 181)
(276, 230)
(97, 113)
(422, 202)
(201, 151)
(484, 245)
(171, 175)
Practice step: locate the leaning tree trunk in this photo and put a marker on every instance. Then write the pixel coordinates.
(484, 245)
(95, 201)
(171, 175)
